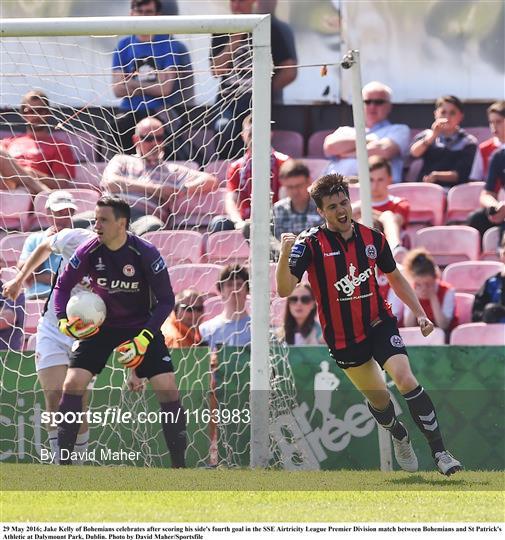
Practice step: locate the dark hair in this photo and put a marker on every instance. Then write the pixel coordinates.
(293, 167)
(135, 4)
(328, 185)
(376, 162)
(449, 99)
(37, 95)
(290, 327)
(119, 206)
(232, 272)
(497, 107)
(419, 262)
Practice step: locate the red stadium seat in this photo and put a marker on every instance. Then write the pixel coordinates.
(478, 334)
(317, 167)
(412, 336)
(427, 201)
(199, 209)
(226, 247)
(33, 310)
(490, 242)
(449, 243)
(15, 210)
(464, 304)
(315, 144)
(201, 277)
(461, 200)
(288, 142)
(177, 247)
(10, 248)
(469, 276)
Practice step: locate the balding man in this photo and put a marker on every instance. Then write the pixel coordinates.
(384, 139)
(147, 182)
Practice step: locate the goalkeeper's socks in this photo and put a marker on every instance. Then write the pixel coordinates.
(387, 419)
(81, 445)
(67, 431)
(174, 431)
(424, 415)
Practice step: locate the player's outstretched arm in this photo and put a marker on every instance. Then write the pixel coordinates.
(286, 282)
(407, 295)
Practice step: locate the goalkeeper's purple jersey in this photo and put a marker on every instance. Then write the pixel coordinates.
(133, 282)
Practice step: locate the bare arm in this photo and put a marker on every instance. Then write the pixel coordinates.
(450, 177)
(284, 76)
(126, 85)
(201, 182)
(385, 148)
(115, 183)
(337, 144)
(285, 280)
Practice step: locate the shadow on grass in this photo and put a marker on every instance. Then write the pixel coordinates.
(447, 482)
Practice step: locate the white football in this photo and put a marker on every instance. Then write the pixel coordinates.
(88, 306)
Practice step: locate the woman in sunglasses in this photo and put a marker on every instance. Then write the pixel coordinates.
(300, 324)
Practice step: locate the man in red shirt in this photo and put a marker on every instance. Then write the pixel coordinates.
(36, 161)
(341, 258)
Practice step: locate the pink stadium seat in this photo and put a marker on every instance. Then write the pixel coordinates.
(478, 334)
(412, 336)
(34, 310)
(213, 307)
(85, 199)
(83, 144)
(89, 175)
(427, 201)
(449, 243)
(464, 304)
(481, 133)
(288, 142)
(469, 276)
(317, 167)
(177, 247)
(15, 210)
(10, 248)
(226, 247)
(490, 242)
(199, 209)
(315, 144)
(202, 277)
(461, 200)
(218, 168)
(30, 342)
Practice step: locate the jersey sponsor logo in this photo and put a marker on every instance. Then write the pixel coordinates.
(158, 265)
(331, 253)
(118, 285)
(99, 265)
(128, 270)
(397, 341)
(349, 283)
(371, 251)
(74, 262)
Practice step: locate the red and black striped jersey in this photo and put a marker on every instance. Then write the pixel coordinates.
(342, 274)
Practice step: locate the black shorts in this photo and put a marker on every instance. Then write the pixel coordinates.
(383, 342)
(92, 353)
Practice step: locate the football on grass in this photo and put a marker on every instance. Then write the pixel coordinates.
(88, 307)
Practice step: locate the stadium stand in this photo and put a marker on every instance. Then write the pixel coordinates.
(11, 247)
(413, 336)
(464, 303)
(33, 310)
(177, 247)
(288, 142)
(468, 276)
(15, 210)
(315, 143)
(226, 247)
(490, 242)
(478, 334)
(462, 200)
(316, 166)
(427, 201)
(202, 277)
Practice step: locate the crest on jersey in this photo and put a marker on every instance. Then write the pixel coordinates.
(296, 252)
(128, 270)
(371, 251)
(397, 341)
(158, 265)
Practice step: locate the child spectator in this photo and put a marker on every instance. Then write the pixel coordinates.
(181, 328)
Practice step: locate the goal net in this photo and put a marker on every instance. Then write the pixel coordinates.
(89, 111)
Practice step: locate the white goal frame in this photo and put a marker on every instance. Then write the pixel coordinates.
(259, 27)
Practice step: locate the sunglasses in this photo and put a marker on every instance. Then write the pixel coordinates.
(375, 101)
(305, 299)
(26, 109)
(198, 309)
(152, 138)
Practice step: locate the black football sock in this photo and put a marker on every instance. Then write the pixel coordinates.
(424, 415)
(174, 431)
(67, 431)
(387, 419)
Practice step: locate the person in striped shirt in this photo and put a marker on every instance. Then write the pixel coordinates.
(341, 259)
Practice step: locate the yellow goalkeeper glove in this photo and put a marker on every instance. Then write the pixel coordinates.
(131, 353)
(76, 328)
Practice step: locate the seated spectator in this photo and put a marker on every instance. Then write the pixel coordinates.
(181, 328)
(496, 119)
(297, 211)
(148, 183)
(492, 211)
(233, 326)
(145, 75)
(391, 211)
(447, 149)
(300, 323)
(384, 139)
(239, 184)
(36, 161)
(489, 303)
(437, 297)
(12, 317)
(60, 206)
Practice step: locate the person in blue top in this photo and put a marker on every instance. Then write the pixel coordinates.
(149, 74)
(130, 275)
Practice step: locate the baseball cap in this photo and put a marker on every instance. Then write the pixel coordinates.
(60, 200)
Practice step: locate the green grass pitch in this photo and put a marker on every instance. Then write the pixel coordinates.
(49, 493)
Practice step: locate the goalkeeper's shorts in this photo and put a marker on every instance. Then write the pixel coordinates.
(382, 342)
(92, 353)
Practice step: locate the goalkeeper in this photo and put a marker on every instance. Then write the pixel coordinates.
(131, 277)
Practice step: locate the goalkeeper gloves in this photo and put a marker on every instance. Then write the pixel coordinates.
(131, 352)
(76, 328)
